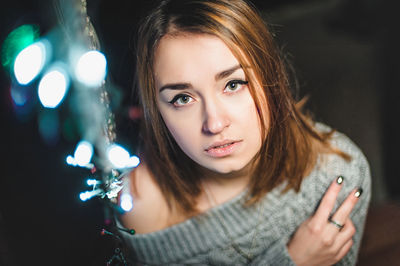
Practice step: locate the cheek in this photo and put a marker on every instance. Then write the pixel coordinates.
(253, 130)
(249, 114)
(263, 107)
(254, 124)
(178, 131)
(261, 110)
(182, 129)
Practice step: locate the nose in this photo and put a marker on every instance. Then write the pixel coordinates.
(216, 118)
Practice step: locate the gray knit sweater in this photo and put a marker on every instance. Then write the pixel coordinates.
(231, 234)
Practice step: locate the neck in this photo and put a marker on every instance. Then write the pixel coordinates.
(226, 179)
(224, 187)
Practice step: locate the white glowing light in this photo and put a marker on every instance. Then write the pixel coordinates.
(84, 196)
(29, 62)
(118, 156)
(83, 153)
(92, 182)
(133, 161)
(52, 88)
(126, 202)
(91, 68)
(71, 160)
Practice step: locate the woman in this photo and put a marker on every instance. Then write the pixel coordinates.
(233, 173)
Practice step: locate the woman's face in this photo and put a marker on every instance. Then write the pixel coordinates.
(204, 99)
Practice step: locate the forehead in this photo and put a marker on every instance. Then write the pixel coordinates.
(188, 56)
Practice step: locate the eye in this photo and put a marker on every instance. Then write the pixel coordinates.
(181, 100)
(234, 85)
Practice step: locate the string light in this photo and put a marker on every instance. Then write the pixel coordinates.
(83, 153)
(16, 41)
(29, 62)
(71, 160)
(126, 202)
(133, 162)
(118, 156)
(53, 87)
(84, 196)
(91, 68)
(93, 182)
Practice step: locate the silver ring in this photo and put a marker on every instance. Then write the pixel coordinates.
(338, 225)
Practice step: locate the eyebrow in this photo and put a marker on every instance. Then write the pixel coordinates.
(218, 76)
(175, 86)
(227, 73)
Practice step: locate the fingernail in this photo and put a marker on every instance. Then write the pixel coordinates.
(358, 193)
(339, 179)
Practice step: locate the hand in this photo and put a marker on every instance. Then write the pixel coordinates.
(318, 241)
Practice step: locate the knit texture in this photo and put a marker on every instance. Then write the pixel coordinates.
(232, 234)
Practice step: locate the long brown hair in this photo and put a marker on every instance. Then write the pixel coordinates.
(287, 151)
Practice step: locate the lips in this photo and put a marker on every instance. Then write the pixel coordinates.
(222, 148)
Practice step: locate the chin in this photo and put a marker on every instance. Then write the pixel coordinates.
(225, 169)
(225, 166)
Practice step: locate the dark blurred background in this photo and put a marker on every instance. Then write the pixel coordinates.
(346, 57)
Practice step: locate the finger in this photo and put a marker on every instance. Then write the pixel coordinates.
(344, 250)
(328, 201)
(347, 206)
(345, 234)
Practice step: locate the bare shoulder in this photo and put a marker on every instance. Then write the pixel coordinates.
(150, 211)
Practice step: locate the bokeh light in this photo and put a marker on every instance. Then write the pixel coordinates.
(133, 161)
(91, 69)
(19, 95)
(118, 156)
(16, 41)
(83, 153)
(53, 87)
(22, 101)
(84, 196)
(126, 202)
(49, 126)
(71, 160)
(29, 62)
(93, 182)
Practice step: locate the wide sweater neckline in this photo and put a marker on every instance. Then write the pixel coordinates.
(226, 223)
(202, 240)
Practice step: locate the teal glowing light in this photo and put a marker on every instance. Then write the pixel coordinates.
(19, 95)
(16, 41)
(84, 196)
(126, 202)
(83, 153)
(53, 87)
(29, 62)
(49, 126)
(91, 69)
(93, 182)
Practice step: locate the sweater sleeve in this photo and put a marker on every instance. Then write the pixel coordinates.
(357, 174)
(276, 255)
(359, 213)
